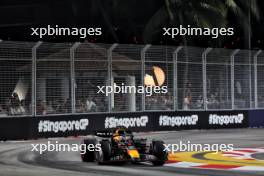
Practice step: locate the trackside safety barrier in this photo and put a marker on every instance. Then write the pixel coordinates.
(74, 125)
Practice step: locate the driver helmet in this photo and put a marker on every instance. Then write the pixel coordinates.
(119, 135)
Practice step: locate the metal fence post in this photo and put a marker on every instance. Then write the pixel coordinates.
(142, 54)
(73, 96)
(204, 55)
(34, 78)
(110, 77)
(250, 79)
(233, 78)
(256, 77)
(175, 77)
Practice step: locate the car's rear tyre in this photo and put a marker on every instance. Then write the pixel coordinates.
(104, 155)
(88, 156)
(157, 149)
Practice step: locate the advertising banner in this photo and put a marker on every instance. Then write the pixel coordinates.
(256, 118)
(74, 125)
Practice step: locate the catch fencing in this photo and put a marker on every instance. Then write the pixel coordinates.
(41, 78)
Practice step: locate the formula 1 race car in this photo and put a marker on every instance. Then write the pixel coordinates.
(119, 145)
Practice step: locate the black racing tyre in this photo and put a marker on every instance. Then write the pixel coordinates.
(88, 156)
(104, 155)
(157, 149)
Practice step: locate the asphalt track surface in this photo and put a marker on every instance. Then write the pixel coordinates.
(17, 159)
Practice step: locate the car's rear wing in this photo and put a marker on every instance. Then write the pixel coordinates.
(104, 133)
(110, 132)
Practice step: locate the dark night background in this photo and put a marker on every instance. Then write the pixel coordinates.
(122, 21)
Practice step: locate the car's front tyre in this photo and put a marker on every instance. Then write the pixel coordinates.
(158, 150)
(104, 155)
(88, 156)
